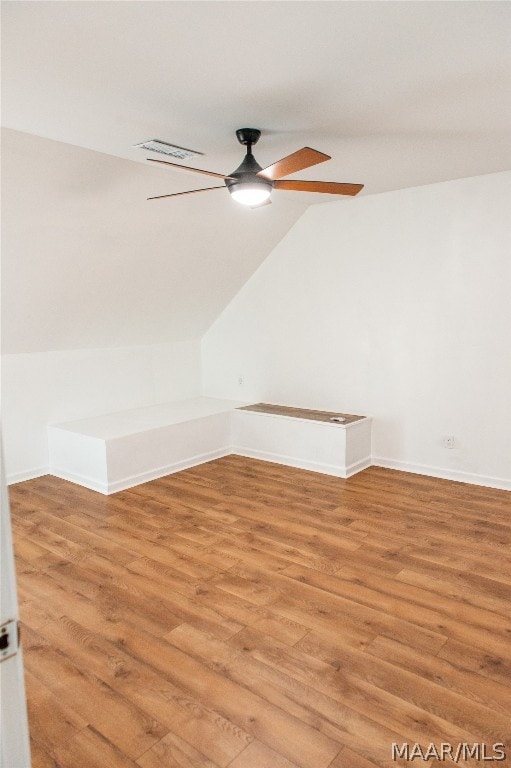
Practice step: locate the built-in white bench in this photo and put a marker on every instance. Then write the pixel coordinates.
(119, 450)
(331, 443)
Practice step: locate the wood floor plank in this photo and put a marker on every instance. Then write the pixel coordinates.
(317, 710)
(475, 588)
(32, 612)
(264, 721)
(461, 586)
(121, 722)
(51, 721)
(78, 592)
(246, 552)
(465, 656)
(451, 607)
(280, 627)
(367, 502)
(89, 748)
(201, 592)
(30, 551)
(218, 738)
(294, 554)
(328, 544)
(242, 614)
(434, 545)
(479, 627)
(173, 752)
(158, 609)
(474, 717)
(442, 672)
(40, 758)
(48, 524)
(309, 604)
(258, 755)
(349, 759)
(339, 683)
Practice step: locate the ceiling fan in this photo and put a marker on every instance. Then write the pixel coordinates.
(252, 185)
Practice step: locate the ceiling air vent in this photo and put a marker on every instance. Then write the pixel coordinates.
(155, 145)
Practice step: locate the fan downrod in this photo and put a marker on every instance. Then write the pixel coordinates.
(248, 136)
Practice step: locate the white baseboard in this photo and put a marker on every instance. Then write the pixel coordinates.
(289, 461)
(129, 482)
(444, 474)
(170, 469)
(143, 477)
(28, 474)
(75, 477)
(358, 466)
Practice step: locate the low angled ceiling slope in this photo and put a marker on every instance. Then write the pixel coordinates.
(399, 93)
(88, 262)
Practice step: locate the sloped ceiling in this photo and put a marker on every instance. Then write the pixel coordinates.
(400, 94)
(88, 262)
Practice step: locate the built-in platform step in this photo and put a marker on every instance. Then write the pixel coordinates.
(324, 441)
(116, 451)
(119, 450)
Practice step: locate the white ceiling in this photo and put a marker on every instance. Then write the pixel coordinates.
(399, 93)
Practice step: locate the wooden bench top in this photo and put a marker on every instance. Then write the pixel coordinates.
(301, 413)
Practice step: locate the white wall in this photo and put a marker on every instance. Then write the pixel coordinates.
(48, 387)
(396, 306)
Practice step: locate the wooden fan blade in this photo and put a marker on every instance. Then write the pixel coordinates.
(299, 160)
(187, 168)
(330, 187)
(190, 192)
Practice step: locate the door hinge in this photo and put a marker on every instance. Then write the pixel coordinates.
(9, 639)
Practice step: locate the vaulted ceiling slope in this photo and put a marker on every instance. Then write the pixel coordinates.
(399, 93)
(88, 262)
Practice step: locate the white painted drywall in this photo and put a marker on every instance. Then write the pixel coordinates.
(395, 306)
(88, 262)
(48, 387)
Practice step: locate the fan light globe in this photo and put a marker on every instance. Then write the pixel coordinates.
(251, 194)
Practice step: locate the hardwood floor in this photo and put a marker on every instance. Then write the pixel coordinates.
(250, 615)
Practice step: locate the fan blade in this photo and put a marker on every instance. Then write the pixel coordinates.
(187, 168)
(261, 205)
(331, 187)
(190, 192)
(299, 160)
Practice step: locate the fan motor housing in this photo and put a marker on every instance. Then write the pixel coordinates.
(246, 173)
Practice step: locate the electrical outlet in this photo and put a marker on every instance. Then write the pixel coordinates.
(449, 441)
(240, 381)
